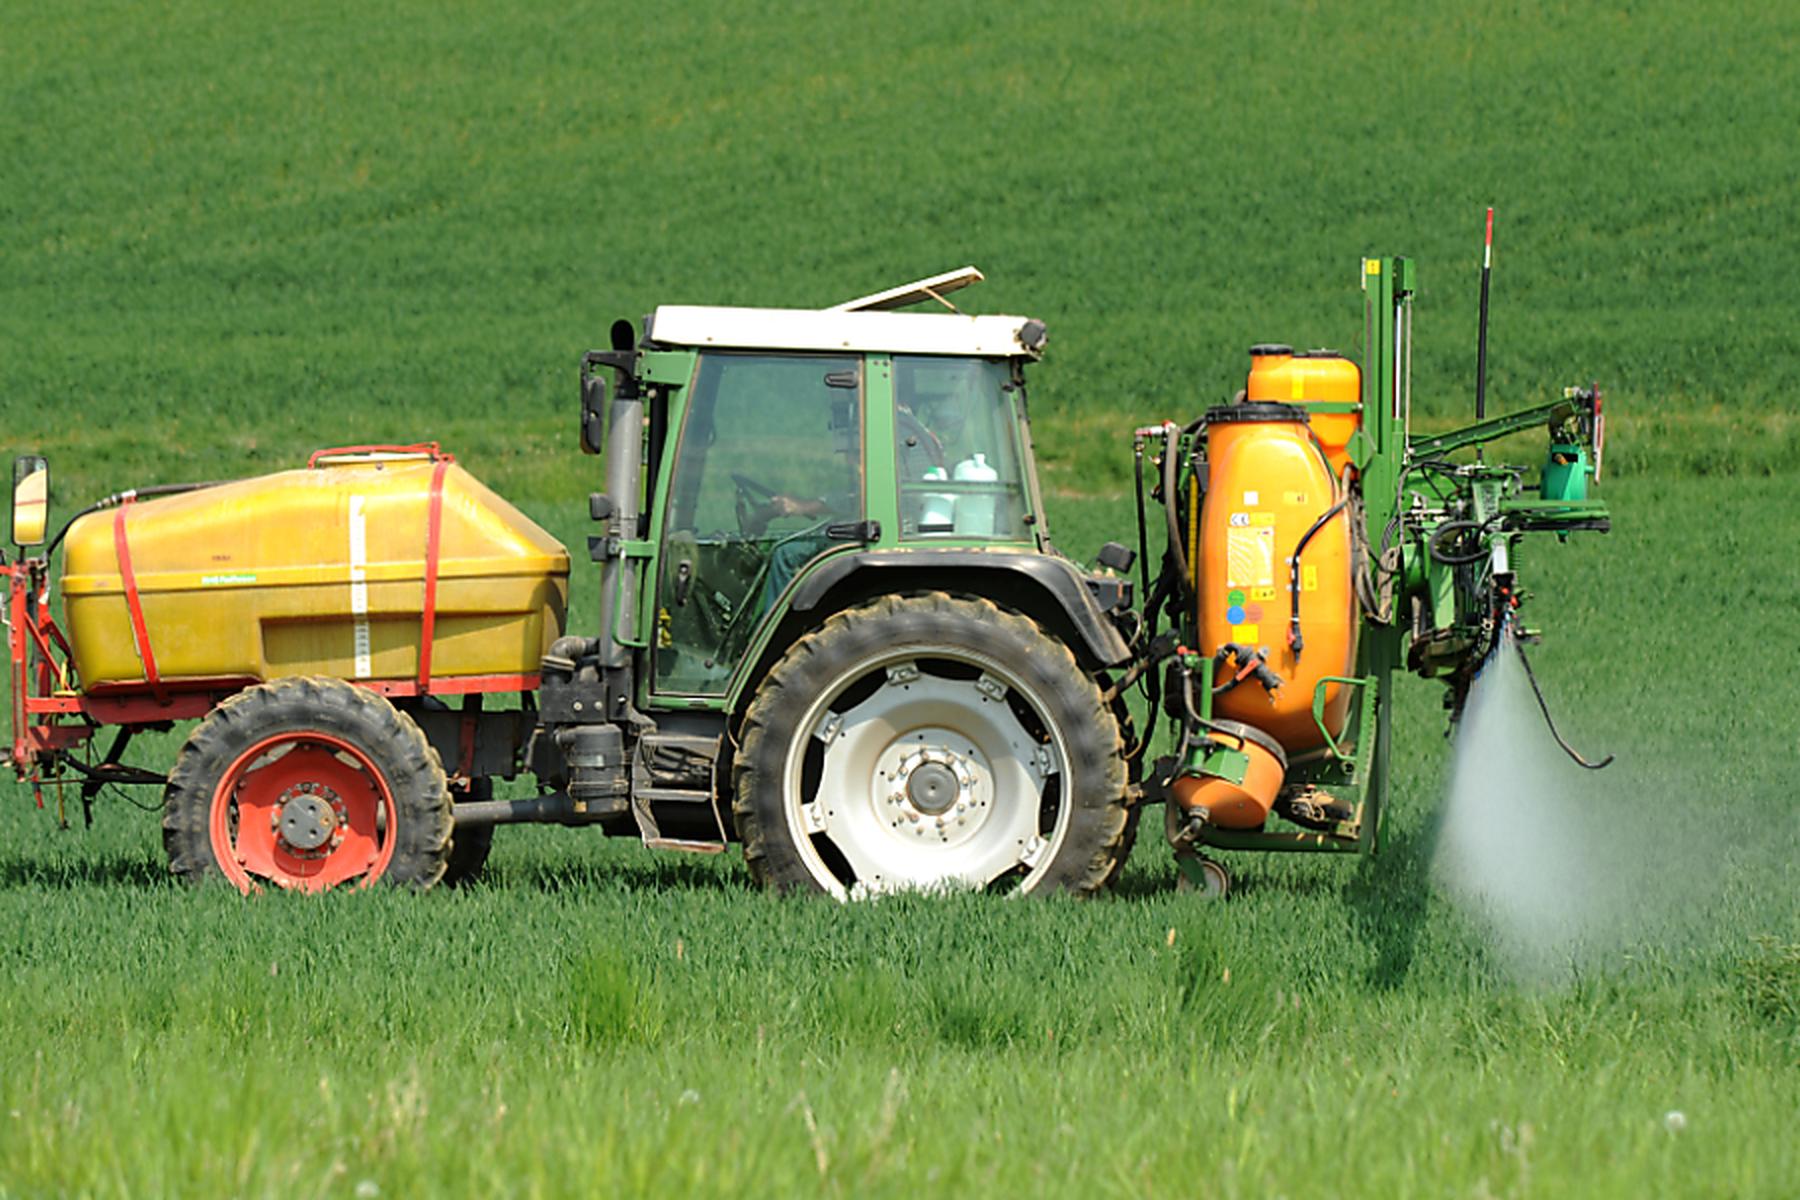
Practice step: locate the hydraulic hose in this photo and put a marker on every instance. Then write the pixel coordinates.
(1440, 535)
(1171, 471)
(1137, 471)
(1295, 641)
(1544, 707)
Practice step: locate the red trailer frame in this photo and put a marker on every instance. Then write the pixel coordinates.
(52, 715)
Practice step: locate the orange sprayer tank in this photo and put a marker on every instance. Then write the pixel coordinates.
(1310, 380)
(320, 571)
(1267, 484)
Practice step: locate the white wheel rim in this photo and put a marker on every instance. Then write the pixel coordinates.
(927, 781)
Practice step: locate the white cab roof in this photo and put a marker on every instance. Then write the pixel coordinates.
(814, 329)
(860, 325)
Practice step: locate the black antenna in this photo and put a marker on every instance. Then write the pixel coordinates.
(1487, 270)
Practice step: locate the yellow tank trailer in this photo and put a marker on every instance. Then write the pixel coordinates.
(322, 571)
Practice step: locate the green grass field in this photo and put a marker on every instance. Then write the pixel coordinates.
(229, 238)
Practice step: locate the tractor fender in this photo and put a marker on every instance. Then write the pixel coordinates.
(1047, 587)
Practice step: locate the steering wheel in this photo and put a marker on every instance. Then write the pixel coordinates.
(753, 497)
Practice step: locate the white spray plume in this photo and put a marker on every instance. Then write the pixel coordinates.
(1516, 846)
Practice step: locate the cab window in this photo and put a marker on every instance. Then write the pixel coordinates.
(768, 458)
(956, 446)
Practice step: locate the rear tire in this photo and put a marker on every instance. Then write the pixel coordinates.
(307, 783)
(930, 741)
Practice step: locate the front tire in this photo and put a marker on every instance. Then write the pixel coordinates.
(307, 784)
(928, 741)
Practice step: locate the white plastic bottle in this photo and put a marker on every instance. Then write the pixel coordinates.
(975, 509)
(938, 509)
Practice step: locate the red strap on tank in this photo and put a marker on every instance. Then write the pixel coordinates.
(134, 603)
(434, 529)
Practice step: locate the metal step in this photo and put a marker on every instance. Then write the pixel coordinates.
(656, 795)
(663, 843)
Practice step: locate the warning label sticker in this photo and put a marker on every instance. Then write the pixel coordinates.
(1250, 556)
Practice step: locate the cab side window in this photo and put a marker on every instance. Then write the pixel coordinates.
(957, 457)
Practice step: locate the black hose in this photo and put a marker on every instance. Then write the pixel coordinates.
(111, 771)
(1295, 642)
(1153, 604)
(1137, 471)
(1171, 441)
(1434, 546)
(1544, 707)
(118, 498)
(1189, 718)
(1193, 720)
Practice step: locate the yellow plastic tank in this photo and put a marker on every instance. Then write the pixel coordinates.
(317, 571)
(1267, 484)
(1309, 380)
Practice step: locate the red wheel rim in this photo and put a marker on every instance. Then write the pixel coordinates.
(319, 783)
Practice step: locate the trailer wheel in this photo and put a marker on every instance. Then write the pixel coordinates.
(307, 783)
(470, 845)
(930, 741)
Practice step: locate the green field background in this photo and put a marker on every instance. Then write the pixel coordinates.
(228, 237)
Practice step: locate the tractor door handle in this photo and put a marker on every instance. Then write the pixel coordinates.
(855, 531)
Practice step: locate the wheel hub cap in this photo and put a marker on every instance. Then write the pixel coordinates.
(933, 791)
(309, 816)
(933, 788)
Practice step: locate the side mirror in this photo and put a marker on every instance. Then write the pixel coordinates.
(31, 499)
(593, 414)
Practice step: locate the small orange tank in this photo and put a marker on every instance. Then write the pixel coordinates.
(1267, 484)
(1231, 805)
(1309, 380)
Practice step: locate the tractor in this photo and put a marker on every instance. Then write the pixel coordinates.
(832, 625)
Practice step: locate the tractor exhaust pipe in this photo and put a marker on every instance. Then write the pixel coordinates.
(618, 509)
